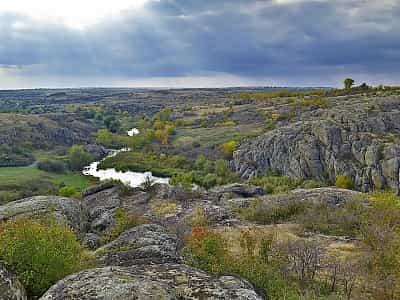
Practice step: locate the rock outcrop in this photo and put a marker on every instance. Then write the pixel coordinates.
(98, 209)
(160, 281)
(148, 243)
(351, 139)
(10, 287)
(238, 190)
(63, 209)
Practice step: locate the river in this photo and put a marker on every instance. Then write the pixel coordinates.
(132, 179)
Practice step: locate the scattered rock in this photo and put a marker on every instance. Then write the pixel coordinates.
(92, 241)
(97, 151)
(10, 287)
(239, 190)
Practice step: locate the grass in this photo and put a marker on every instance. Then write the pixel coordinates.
(17, 175)
(18, 182)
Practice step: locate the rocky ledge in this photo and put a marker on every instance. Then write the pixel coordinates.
(164, 281)
(352, 139)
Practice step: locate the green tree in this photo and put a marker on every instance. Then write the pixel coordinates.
(228, 148)
(112, 124)
(348, 83)
(78, 157)
(202, 164)
(221, 168)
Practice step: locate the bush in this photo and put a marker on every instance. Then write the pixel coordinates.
(123, 222)
(163, 208)
(182, 179)
(221, 168)
(53, 166)
(335, 220)
(344, 182)
(275, 184)
(228, 148)
(40, 254)
(208, 250)
(15, 157)
(205, 249)
(268, 213)
(68, 191)
(78, 158)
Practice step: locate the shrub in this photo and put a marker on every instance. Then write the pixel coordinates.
(68, 191)
(78, 158)
(163, 208)
(336, 220)
(205, 249)
(182, 179)
(53, 166)
(15, 157)
(274, 183)
(221, 168)
(202, 164)
(344, 182)
(228, 148)
(268, 213)
(209, 180)
(40, 254)
(123, 222)
(208, 250)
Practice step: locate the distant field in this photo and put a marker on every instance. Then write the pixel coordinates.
(16, 182)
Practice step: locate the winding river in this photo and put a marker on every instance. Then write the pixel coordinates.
(132, 179)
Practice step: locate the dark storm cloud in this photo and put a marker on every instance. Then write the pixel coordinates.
(241, 37)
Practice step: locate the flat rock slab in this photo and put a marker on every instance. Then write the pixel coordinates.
(148, 243)
(164, 281)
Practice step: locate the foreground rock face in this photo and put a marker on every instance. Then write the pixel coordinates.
(10, 287)
(165, 281)
(350, 139)
(148, 243)
(63, 209)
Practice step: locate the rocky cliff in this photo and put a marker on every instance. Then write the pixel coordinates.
(356, 137)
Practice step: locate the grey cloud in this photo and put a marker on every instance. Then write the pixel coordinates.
(248, 38)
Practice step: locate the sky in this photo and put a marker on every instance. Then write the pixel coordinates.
(198, 43)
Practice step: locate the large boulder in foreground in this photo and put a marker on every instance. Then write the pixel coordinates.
(148, 243)
(64, 209)
(10, 287)
(164, 281)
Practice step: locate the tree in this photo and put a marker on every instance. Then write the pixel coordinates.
(78, 157)
(112, 124)
(221, 168)
(228, 148)
(348, 83)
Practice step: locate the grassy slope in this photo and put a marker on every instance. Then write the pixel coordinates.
(14, 181)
